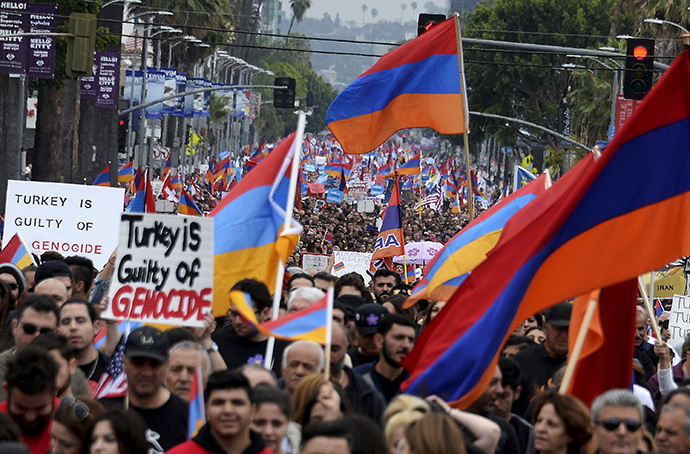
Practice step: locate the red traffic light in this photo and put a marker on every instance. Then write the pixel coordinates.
(122, 122)
(640, 52)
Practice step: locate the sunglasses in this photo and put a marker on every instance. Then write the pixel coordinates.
(79, 409)
(611, 424)
(30, 329)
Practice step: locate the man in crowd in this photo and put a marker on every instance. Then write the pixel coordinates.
(672, 434)
(617, 422)
(364, 398)
(31, 390)
(145, 364)
(229, 411)
(328, 436)
(643, 348)
(240, 343)
(53, 287)
(539, 362)
(503, 404)
(324, 280)
(82, 275)
(79, 323)
(183, 359)
(302, 298)
(37, 314)
(301, 358)
(383, 282)
(11, 275)
(368, 318)
(55, 269)
(58, 347)
(395, 339)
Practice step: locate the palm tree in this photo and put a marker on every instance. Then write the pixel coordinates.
(374, 13)
(413, 5)
(404, 7)
(299, 8)
(364, 11)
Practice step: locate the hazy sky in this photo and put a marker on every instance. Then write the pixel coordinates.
(352, 10)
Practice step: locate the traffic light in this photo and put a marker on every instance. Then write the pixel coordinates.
(639, 68)
(122, 128)
(426, 21)
(284, 97)
(81, 46)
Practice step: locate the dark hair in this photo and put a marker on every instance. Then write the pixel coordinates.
(32, 370)
(82, 270)
(39, 303)
(385, 272)
(268, 394)
(51, 255)
(227, 379)
(328, 429)
(8, 428)
(258, 291)
(54, 341)
(7, 307)
(511, 372)
(178, 334)
(90, 309)
(397, 301)
(296, 276)
(675, 392)
(521, 341)
(574, 414)
(66, 414)
(388, 321)
(324, 276)
(534, 328)
(367, 437)
(129, 429)
(353, 280)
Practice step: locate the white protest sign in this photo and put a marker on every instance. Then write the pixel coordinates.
(346, 262)
(164, 270)
(317, 261)
(68, 218)
(679, 323)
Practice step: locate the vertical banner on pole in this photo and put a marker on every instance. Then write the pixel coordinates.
(12, 49)
(107, 80)
(41, 55)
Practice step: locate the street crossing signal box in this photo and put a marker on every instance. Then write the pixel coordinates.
(82, 45)
(284, 97)
(639, 68)
(426, 21)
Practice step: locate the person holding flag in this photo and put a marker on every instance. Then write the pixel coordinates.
(390, 242)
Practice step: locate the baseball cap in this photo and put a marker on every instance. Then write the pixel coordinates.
(52, 268)
(368, 318)
(147, 342)
(11, 268)
(559, 315)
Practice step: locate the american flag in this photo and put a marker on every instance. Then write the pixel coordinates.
(113, 382)
(434, 199)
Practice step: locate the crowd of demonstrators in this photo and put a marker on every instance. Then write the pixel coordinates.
(51, 367)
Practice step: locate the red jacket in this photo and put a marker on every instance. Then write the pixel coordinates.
(38, 444)
(204, 443)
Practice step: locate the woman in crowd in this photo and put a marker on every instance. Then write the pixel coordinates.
(316, 399)
(71, 423)
(117, 432)
(434, 432)
(561, 424)
(272, 416)
(432, 310)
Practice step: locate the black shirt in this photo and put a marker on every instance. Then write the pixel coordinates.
(537, 368)
(166, 426)
(358, 358)
(94, 369)
(238, 351)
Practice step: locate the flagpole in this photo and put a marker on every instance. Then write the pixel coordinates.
(577, 348)
(297, 144)
(420, 185)
(465, 113)
(648, 307)
(329, 332)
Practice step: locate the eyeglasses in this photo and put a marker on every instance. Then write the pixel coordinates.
(30, 329)
(611, 424)
(79, 409)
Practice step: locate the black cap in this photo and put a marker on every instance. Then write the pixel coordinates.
(147, 342)
(52, 268)
(351, 302)
(11, 268)
(368, 318)
(559, 315)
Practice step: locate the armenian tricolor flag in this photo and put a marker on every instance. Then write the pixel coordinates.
(125, 173)
(197, 413)
(188, 206)
(16, 252)
(103, 178)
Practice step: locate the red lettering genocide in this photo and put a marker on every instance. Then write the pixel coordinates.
(139, 303)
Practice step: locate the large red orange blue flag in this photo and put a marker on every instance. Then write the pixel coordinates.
(609, 225)
(418, 85)
(250, 237)
(16, 252)
(390, 242)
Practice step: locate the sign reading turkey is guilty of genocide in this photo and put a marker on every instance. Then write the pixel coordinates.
(164, 270)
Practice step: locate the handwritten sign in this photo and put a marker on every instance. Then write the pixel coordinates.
(317, 261)
(679, 323)
(71, 219)
(164, 270)
(352, 261)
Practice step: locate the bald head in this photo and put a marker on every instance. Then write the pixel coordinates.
(53, 287)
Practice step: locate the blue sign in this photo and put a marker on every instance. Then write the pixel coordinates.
(334, 196)
(376, 189)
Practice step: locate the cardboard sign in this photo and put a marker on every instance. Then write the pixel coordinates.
(317, 261)
(679, 323)
(71, 219)
(667, 282)
(164, 270)
(347, 262)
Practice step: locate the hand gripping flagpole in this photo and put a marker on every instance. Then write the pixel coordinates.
(465, 113)
(296, 158)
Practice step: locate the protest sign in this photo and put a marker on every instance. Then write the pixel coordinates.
(668, 281)
(317, 261)
(334, 196)
(68, 218)
(164, 270)
(347, 262)
(679, 323)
